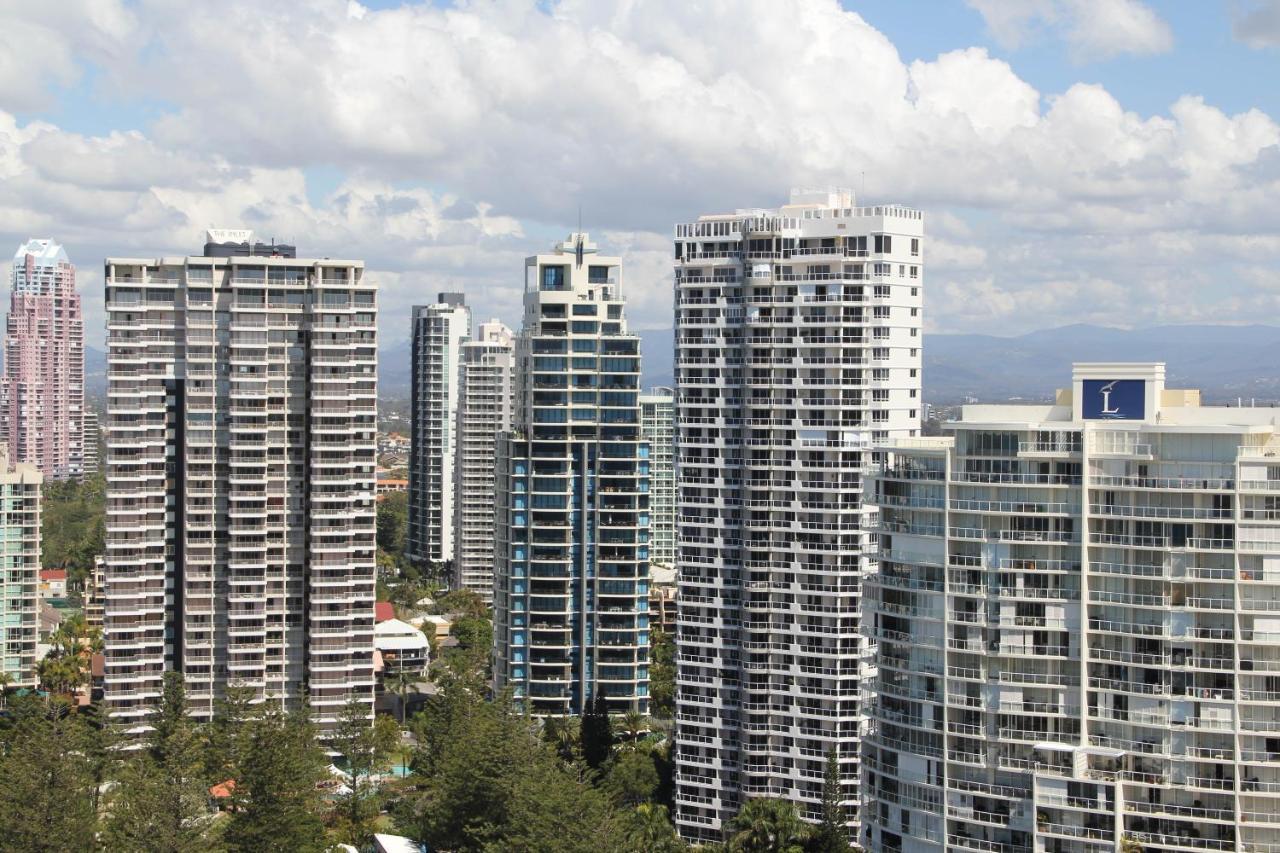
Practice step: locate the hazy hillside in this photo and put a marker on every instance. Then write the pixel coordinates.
(1223, 361)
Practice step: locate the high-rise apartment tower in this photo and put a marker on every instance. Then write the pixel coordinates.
(571, 587)
(1077, 611)
(485, 404)
(20, 543)
(658, 427)
(438, 333)
(241, 444)
(42, 391)
(797, 348)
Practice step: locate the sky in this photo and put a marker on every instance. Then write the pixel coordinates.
(1102, 161)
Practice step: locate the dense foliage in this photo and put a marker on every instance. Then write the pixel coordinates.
(73, 525)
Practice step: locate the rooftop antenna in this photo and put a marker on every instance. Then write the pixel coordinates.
(862, 191)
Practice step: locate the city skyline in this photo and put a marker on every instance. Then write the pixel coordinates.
(1078, 167)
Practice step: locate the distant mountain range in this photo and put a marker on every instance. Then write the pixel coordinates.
(1225, 362)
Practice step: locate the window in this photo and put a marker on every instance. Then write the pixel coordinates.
(902, 270)
(915, 272)
(598, 275)
(913, 392)
(913, 373)
(880, 354)
(879, 416)
(915, 312)
(915, 291)
(915, 247)
(880, 312)
(880, 333)
(584, 310)
(882, 269)
(915, 333)
(880, 291)
(880, 395)
(553, 278)
(881, 374)
(912, 413)
(883, 244)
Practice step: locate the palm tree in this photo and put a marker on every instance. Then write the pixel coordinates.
(634, 723)
(5, 680)
(1129, 844)
(767, 825)
(562, 734)
(650, 830)
(401, 682)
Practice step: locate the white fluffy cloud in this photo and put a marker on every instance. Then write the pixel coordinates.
(469, 136)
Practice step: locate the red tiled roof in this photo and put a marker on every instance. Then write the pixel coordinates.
(383, 610)
(53, 574)
(223, 789)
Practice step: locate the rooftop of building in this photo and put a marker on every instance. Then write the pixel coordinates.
(816, 203)
(44, 252)
(1125, 394)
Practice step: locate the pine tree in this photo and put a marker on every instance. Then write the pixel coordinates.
(597, 731)
(47, 780)
(831, 835)
(276, 806)
(367, 746)
(160, 804)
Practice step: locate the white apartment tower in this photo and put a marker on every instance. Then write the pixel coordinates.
(485, 403)
(438, 333)
(20, 485)
(797, 347)
(1078, 619)
(571, 587)
(658, 427)
(241, 442)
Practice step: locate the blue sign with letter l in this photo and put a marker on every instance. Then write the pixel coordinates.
(1114, 400)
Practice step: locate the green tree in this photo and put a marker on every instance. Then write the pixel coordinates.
(597, 731)
(632, 778)
(400, 683)
(393, 522)
(65, 669)
(662, 674)
(649, 830)
(6, 679)
(276, 806)
(832, 834)
(161, 801)
(485, 781)
(561, 733)
(47, 780)
(767, 825)
(368, 746)
(465, 602)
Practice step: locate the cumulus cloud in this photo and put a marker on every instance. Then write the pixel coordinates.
(1257, 24)
(467, 137)
(1092, 29)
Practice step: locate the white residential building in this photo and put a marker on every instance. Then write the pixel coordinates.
(571, 587)
(1078, 616)
(20, 486)
(797, 347)
(438, 333)
(241, 443)
(658, 426)
(485, 404)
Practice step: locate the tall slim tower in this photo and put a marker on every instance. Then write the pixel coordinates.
(438, 331)
(797, 348)
(43, 385)
(484, 412)
(20, 540)
(241, 446)
(658, 426)
(571, 587)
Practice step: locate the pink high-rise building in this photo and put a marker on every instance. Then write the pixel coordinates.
(42, 391)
